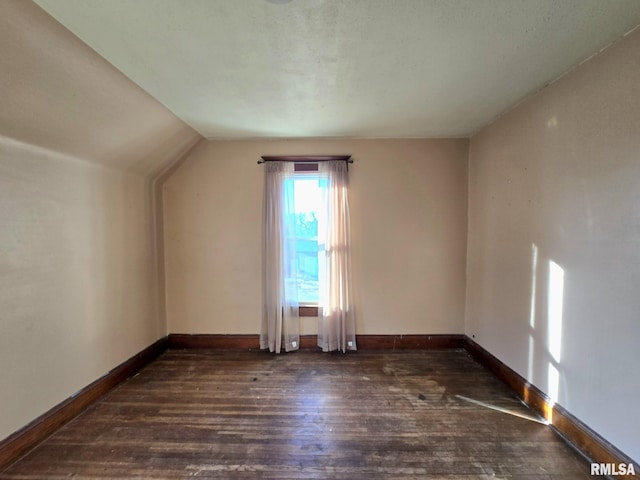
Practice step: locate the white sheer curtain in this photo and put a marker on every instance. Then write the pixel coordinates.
(280, 320)
(336, 327)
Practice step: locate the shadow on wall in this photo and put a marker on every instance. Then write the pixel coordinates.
(545, 327)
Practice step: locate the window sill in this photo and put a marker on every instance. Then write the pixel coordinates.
(308, 311)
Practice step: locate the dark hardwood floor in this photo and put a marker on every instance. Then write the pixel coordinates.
(246, 414)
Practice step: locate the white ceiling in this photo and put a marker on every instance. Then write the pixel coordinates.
(343, 68)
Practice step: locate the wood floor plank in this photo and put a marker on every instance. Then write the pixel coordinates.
(305, 415)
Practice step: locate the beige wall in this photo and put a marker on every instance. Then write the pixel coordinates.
(408, 205)
(76, 281)
(559, 176)
(79, 144)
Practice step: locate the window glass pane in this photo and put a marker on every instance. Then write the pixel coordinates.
(305, 219)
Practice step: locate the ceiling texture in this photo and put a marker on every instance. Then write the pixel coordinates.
(343, 68)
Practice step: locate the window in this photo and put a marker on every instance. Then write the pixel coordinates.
(306, 193)
(306, 253)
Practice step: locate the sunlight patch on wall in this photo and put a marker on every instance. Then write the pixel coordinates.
(555, 301)
(555, 306)
(532, 309)
(534, 275)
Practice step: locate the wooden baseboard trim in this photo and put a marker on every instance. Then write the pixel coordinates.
(214, 341)
(19, 443)
(308, 342)
(576, 433)
(363, 342)
(404, 342)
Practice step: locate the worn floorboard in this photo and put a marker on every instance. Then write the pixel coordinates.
(305, 415)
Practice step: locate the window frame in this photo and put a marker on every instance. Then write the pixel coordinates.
(307, 309)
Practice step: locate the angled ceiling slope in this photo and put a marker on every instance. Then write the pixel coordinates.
(345, 68)
(59, 94)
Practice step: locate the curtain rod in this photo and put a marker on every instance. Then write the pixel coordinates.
(304, 158)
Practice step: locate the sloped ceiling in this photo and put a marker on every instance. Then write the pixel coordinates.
(343, 68)
(59, 94)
